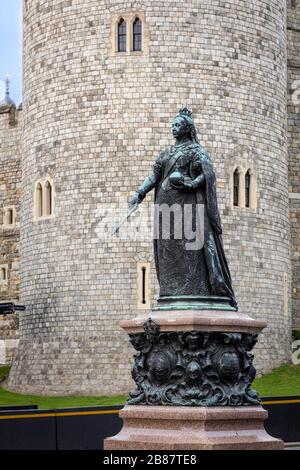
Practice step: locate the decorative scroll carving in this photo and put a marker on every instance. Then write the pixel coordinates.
(192, 368)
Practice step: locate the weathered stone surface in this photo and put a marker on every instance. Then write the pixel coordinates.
(293, 101)
(10, 197)
(9, 338)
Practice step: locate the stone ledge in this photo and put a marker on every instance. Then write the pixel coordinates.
(191, 320)
(193, 413)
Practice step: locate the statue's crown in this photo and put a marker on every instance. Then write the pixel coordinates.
(185, 112)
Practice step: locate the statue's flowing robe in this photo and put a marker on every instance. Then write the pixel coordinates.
(180, 271)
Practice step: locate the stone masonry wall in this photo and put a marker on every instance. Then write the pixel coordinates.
(293, 29)
(9, 338)
(10, 192)
(95, 122)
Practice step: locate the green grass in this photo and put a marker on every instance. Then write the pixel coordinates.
(284, 381)
(9, 398)
(4, 371)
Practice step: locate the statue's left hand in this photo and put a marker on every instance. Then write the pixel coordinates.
(183, 185)
(189, 185)
(192, 185)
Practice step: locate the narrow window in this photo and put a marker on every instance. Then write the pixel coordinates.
(247, 188)
(137, 35)
(236, 177)
(10, 217)
(3, 275)
(143, 285)
(122, 36)
(48, 199)
(39, 200)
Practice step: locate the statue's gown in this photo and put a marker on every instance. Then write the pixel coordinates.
(181, 271)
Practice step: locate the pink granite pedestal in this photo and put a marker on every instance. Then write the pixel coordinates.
(156, 427)
(193, 428)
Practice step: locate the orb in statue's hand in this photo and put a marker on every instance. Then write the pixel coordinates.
(176, 179)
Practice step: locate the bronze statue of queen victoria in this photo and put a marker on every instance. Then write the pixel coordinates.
(190, 359)
(199, 359)
(183, 175)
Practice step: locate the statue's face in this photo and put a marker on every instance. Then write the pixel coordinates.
(179, 127)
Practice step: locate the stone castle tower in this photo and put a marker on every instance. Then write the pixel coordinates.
(102, 82)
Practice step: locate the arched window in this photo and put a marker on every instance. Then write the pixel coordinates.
(137, 35)
(48, 199)
(39, 200)
(236, 185)
(122, 36)
(247, 188)
(44, 200)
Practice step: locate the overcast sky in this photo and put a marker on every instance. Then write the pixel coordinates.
(11, 45)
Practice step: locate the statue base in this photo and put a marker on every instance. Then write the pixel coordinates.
(189, 428)
(193, 372)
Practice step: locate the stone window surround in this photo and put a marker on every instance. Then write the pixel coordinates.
(129, 16)
(4, 282)
(42, 183)
(143, 269)
(5, 211)
(242, 170)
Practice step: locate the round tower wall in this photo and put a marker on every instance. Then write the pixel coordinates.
(94, 122)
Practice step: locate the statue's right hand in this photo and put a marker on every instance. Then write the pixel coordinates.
(135, 199)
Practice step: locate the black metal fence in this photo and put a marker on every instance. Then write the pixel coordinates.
(86, 428)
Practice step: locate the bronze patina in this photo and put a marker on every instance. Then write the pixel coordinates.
(183, 176)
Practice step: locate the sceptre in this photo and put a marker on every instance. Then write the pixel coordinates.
(129, 213)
